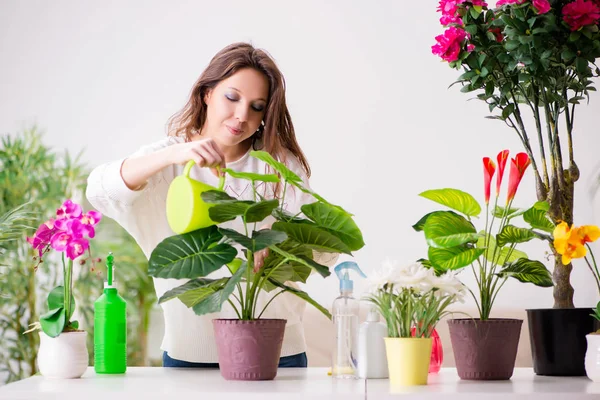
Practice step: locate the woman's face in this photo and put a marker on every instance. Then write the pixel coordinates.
(236, 107)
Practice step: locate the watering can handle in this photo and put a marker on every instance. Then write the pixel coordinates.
(191, 163)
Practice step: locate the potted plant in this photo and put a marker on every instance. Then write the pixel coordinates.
(454, 243)
(63, 351)
(411, 299)
(571, 242)
(291, 240)
(534, 58)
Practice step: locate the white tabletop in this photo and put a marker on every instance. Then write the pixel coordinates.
(291, 383)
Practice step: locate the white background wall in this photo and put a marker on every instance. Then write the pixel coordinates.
(370, 103)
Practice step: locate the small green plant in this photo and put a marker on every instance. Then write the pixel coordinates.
(323, 227)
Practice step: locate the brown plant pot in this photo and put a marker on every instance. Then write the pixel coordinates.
(249, 350)
(485, 350)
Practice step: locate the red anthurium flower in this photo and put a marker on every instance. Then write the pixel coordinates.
(518, 165)
(489, 167)
(502, 157)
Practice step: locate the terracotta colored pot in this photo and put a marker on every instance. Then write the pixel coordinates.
(558, 343)
(249, 350)
(485, 350)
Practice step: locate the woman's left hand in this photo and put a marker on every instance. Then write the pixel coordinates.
(259, 259)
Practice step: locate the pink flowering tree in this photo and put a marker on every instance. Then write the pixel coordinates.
(67, 233)
(533, 62)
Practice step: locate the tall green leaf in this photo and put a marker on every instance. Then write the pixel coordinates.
(447, 229)
(420, 224)
(284, 171)
(229, 211)
(313, 237)
(454, 257)
(304, 296)
(528, 271)
(191, 255)
(512, 234)
(214, 302)
(336, 222)
(512, 212)
(455, 199)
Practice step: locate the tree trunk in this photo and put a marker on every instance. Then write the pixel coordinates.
(561, 209)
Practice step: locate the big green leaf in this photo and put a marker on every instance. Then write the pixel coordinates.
(259, 211)
(313, 236)
(291, 270)
(283, 215)
(214, 302)
(512, 234)
(251, 176)
(194, 287)
(56, 299)
(448, 229)
(260, 239)
(304, 260)
(336, 222)
(538, 220)
(455, 199)
(528, 271)
(53, 322)
(191, 255)
(454, 257)
(304, 296)
(420, 224)
(502, 257)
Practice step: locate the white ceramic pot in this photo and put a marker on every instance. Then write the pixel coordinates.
(592, 357)
(65, 356)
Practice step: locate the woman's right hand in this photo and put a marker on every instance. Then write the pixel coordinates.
(204, 152)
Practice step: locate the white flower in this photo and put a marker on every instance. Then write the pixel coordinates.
(414, 276)
(383, 275)
(449, 285)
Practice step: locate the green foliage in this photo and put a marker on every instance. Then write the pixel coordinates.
(323, 227)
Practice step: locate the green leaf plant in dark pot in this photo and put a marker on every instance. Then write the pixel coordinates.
(486, 348)
(249, 347)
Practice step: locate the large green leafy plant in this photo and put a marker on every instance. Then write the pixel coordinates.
(533, 62)
(454, 241)
(291, 240)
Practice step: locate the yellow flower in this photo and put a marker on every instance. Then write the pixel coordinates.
(570, 242)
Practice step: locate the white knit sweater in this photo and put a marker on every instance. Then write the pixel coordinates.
(142, 213)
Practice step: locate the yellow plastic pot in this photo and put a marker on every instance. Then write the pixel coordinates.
(186, 211)
(408, 360)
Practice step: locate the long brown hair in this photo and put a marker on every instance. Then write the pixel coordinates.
(278, 133)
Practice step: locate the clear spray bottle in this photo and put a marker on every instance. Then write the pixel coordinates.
(345, 311)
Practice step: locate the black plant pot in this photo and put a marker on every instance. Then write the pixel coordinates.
(558, 342)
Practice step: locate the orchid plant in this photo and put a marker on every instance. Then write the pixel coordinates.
(531, 59)
(572, 242)
(455, 243)
(412, 298)
(67, 233)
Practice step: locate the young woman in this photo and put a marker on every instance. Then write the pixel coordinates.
(238, 104)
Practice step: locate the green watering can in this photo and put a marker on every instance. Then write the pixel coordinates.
(186, 211)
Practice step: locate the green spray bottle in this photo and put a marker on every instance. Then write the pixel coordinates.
(110, 327)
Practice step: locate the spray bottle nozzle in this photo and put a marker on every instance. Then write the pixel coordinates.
(342, 272)
(109, 270)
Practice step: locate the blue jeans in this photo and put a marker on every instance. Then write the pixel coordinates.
(295, 361)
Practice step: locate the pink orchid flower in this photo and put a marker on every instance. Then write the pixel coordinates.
(68, 210)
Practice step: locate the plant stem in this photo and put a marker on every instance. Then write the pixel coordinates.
(269, 302)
